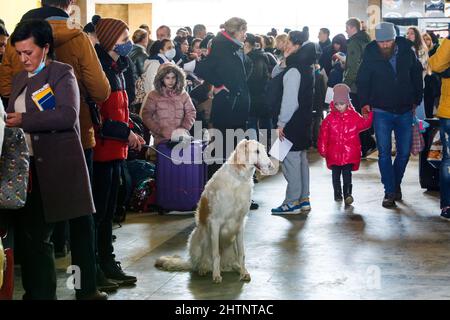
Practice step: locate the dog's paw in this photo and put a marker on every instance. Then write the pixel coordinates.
(246, 277)
(217, 279)
(202, 272)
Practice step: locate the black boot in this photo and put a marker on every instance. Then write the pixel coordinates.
(104, 284)
(348, 194)
(113, 271)
(337, 192)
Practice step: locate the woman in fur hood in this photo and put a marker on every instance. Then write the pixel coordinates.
(169, 106)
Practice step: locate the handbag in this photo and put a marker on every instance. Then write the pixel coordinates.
(14, 169)
(114, 130)
(418, 143)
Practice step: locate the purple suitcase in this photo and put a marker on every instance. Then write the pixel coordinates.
(179, 186)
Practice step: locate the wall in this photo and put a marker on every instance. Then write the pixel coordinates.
(360, 10)
(261, 15)
(118, 11)
(13, 12)
(132, 14)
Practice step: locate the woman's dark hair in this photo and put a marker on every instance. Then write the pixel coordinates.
(204, 43)
(39, 30)
(3, 31)
(179, 40)
(418, 42)
(139, 35)
(269, 41)
(89, 28)
(194, 42)
(298, 37)
(188, 29)
(306, 32)
(158, 46)
(342, 41)
(434, 37)
(56, 3)
(250, 39)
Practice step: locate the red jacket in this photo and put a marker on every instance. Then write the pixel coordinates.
(115, 108)
(339, 139)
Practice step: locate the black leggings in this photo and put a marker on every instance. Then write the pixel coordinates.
(346, 172)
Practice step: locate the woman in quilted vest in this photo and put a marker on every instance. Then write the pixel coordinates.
(169, 106)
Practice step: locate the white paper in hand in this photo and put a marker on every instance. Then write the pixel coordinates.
(280, 149)
(330, 95)
(190, 66)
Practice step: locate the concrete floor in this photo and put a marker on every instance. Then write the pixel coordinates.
(362, 252)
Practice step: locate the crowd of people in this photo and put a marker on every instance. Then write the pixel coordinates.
(104, 75)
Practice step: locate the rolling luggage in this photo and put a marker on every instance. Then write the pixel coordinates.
(180, 176)
(429, 172)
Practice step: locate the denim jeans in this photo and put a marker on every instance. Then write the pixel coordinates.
(445, 165)
(384, 123)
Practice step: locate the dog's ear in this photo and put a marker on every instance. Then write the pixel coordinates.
(241, 155)
(247, 150)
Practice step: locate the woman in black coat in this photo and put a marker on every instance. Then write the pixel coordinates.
(260, 115)
(227, 69)
(224, 68)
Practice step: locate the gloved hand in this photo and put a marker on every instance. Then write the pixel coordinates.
(365, 111)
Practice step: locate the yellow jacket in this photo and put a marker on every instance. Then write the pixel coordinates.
(73, 47)
(440, 62)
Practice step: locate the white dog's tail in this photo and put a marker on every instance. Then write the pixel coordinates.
(173, 263)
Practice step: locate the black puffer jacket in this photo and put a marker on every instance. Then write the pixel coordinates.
(326, 58)
(257, 83)
(380, 87)
(138, 56)
(224, 67)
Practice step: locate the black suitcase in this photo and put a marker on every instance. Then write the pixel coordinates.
(429, 174)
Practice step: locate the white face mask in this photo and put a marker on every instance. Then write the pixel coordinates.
(171, 54)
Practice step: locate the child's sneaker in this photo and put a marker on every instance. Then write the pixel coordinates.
(305, 205)
(288, 208)
(446, 214)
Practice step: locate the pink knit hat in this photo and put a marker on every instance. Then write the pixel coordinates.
(341, 94)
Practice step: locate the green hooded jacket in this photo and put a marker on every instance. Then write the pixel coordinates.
(355, 49)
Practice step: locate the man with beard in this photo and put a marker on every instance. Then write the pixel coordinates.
(390, 82)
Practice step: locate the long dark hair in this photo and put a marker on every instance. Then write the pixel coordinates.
(39, 30)
(158, 46)
(419, 43)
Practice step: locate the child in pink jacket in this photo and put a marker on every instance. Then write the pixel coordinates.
(339, 141)
(169, 106)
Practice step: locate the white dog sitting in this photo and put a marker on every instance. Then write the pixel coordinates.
(217, 242)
